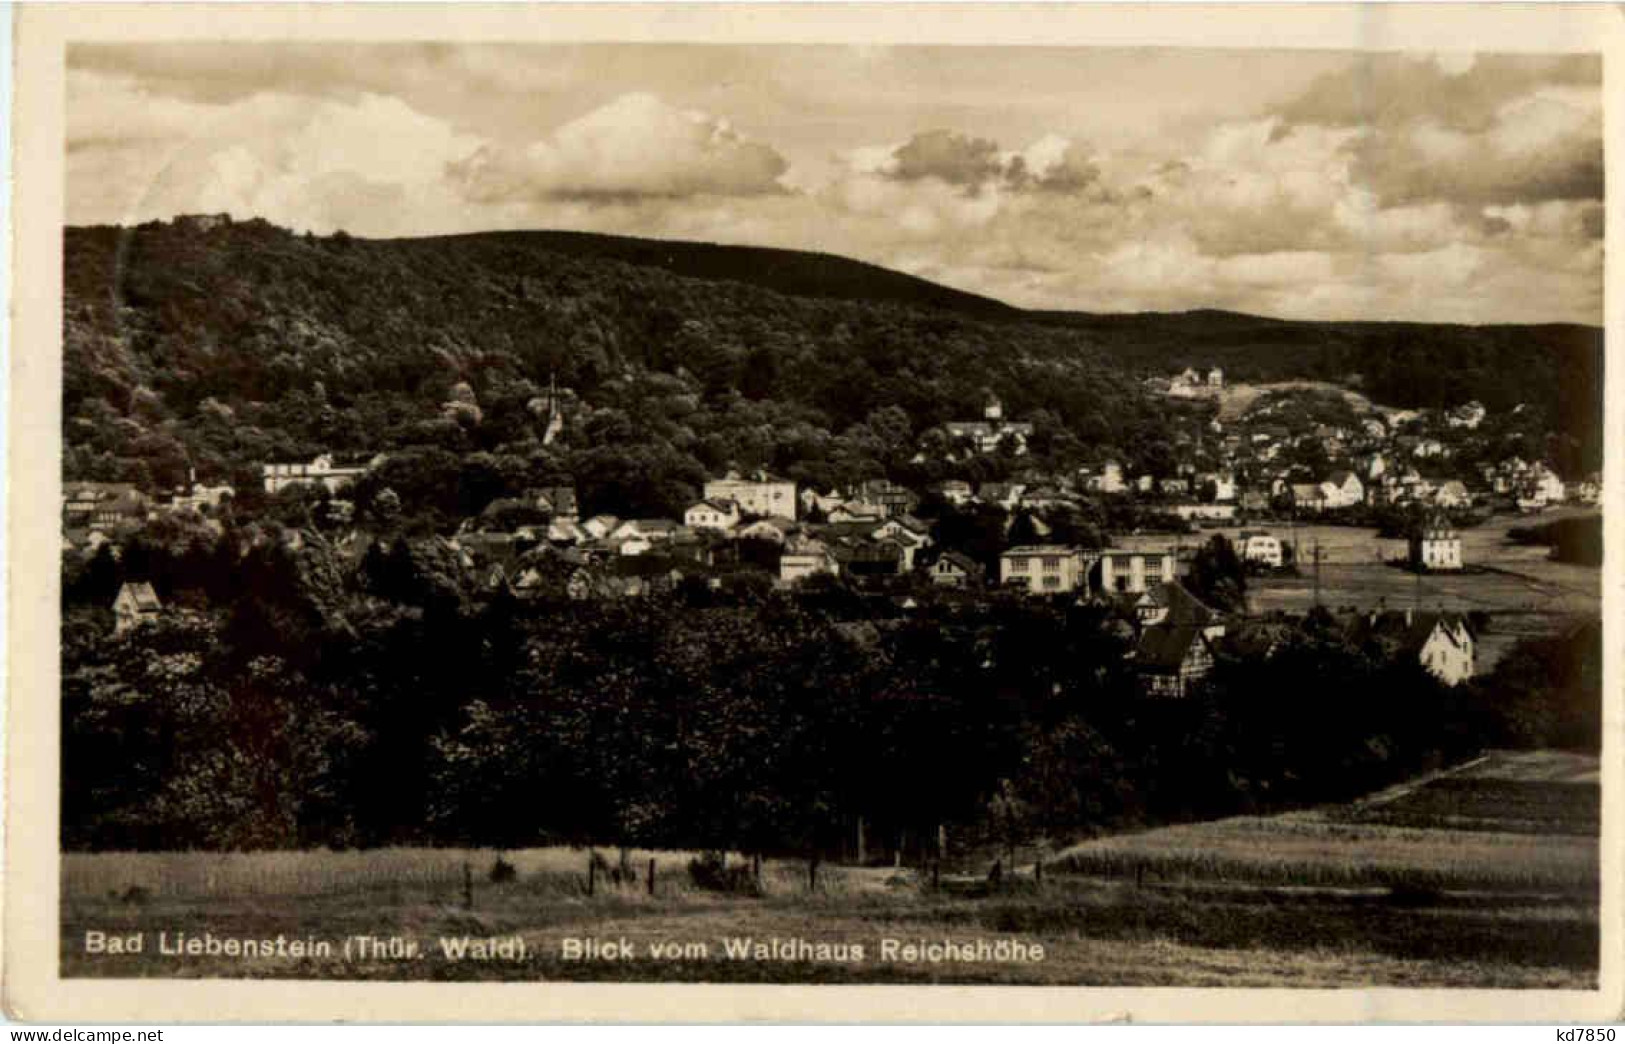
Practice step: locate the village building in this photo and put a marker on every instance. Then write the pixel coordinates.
(1308, 496)
(1436, 546)
(557, 501)
(1469, 415)
(319, 472)
(566, 531)
(1173, 603)
(773, 530)
(855, 511)
(808, 558)
(1441, 643)
(760, 494)
(136, 603)
(908, 533)
(1215, 378)
(1452, 493)
(1006, 495)
(987, 434)
(1260, 549)
(196, 496)
(651, 530)
(1170, 659)
(1174, 487)
(1044, 569)
(1342, 489)
(957, 492)
(1205, 512)
(201, 222)
(86, 504)
(716, 513)
(1130, 572)
(953, 569)
(1542, 482)
(867, 558)
(890, 498)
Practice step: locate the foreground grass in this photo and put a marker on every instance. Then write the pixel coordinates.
(1093, 933)
(1323, 899)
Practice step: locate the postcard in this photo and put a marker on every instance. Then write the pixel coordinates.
(606, 512)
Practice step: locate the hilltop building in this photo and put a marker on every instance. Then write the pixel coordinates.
(988, 433)
(319, 472)
(87, 504)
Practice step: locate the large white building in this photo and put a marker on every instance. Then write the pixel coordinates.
(1132, 572)
(319, 472)
(1436, 546)
(761, 494)
(1261, 548)
(1044, 568)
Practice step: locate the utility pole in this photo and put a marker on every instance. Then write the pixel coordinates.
(1317, 572)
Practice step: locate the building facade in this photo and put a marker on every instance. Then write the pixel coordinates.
(319, 472)
(1044, 569)
(1132, 572)
(1436, 546)
(761, 495)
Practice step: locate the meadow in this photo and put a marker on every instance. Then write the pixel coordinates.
(1339, 896)
(1524, 591)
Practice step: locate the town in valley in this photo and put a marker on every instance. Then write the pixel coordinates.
(1060, 515)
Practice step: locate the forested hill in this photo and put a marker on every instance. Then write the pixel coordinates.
(799, 273)
(219, 348)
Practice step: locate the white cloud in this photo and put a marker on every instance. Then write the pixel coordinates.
(635, 146)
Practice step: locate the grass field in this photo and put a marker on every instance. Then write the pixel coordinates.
(1333, 897)
(1524, 591)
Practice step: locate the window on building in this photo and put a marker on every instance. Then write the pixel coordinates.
(1052, 582)
(1018, 565)
(1052, 563)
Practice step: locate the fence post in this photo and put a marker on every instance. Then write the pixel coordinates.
(936, 875)
(592, 872)
(651, 875)
(468, 885)
(812, 874)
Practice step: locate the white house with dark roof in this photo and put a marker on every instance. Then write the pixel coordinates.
(717, 513)
(136, 603)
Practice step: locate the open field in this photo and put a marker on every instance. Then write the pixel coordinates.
(1238, 397)
(1526, 593)
(1332, 897)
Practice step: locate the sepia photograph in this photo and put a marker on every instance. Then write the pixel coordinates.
(813, 513)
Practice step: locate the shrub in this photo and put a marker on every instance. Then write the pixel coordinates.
(710, 871)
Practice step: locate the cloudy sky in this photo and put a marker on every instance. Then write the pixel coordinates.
(1309, 184)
